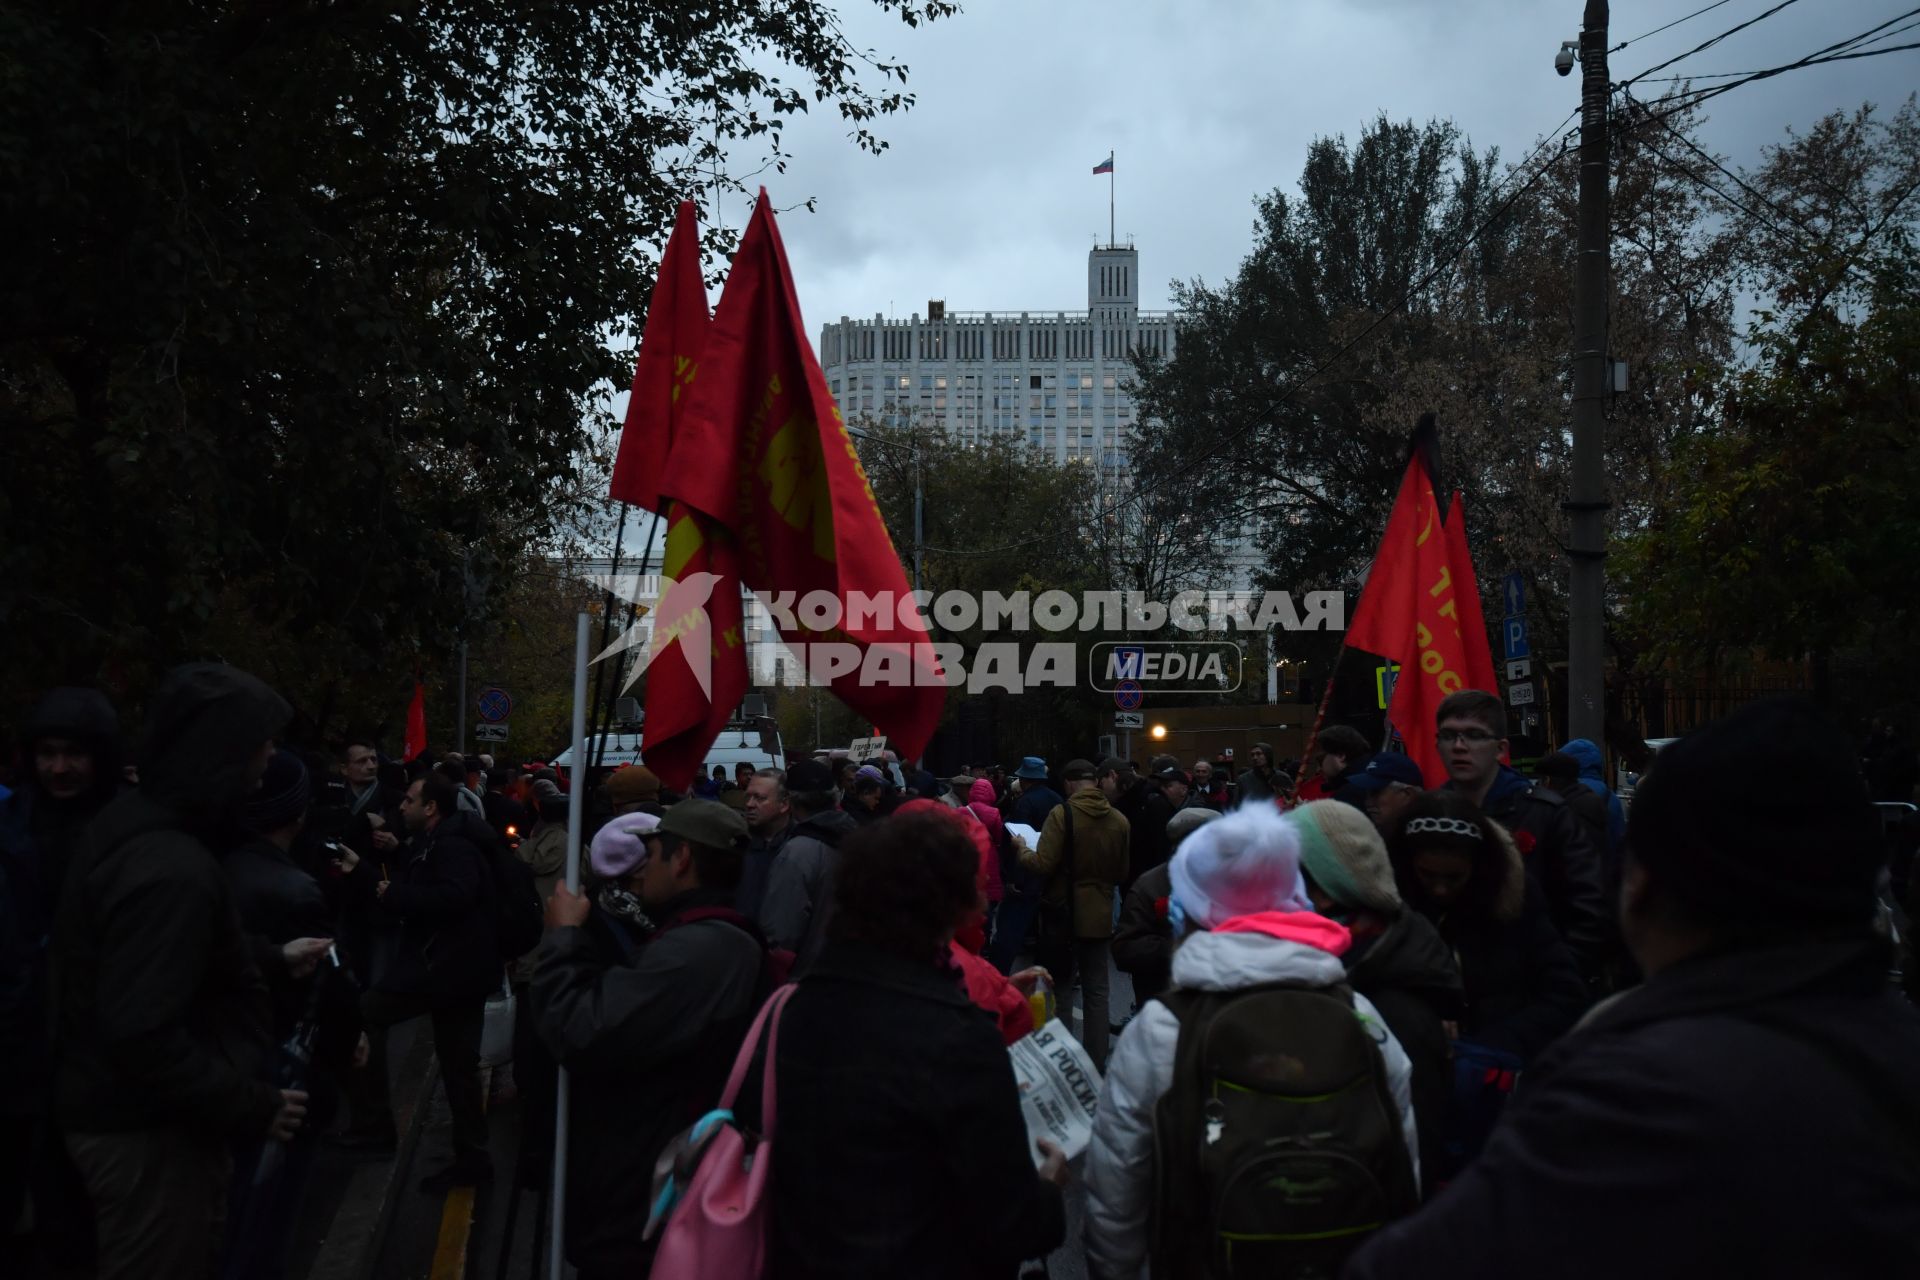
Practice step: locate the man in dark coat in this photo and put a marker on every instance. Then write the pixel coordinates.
(1750, 1110)
(161, 1014)
(648, 1043)
(448, 963)
(1553, 843)
(1014, 922)
(71, 750)
(799, 895)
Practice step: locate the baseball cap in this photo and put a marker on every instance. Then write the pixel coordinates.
(705, 822)
(1174, 773)
(1385, 769)
(1078, 770)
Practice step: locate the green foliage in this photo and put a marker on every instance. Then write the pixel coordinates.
(301, 302)
(1793, 526)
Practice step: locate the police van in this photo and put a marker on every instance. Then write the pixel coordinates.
(751, 737)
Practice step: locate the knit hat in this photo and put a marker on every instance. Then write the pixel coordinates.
(1341, 850)
(868, 771)
(634, 784)
(1187, 821)
(281, 797)
(809, 775)
(1243, 864)
(620, 847)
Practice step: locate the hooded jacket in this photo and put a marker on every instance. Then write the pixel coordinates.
(980, 803)
(1274, 946)
(1098, 859)
(1593, 776)
(799, 898)
(1559, 854)
(38, 835)
(161, 1015)
(1143, 940)
(1750, 1113)
(1517, 978)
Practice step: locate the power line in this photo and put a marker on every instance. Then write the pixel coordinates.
(1301, 384)
(1676, 22)
(1708, 44)
(1686, 101)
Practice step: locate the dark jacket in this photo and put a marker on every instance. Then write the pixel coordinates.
(648, 1045)
(1407, 971)
(1563, 859)
(161, 1015)
(799, 896)
(899, 1147)
(278, 901)
(1148, 843)
(442, 895)
(1747, 1114)
(1253, 785)
(757, 868)
(1143, 943)
(1521, 988)
(1035, 801)
(338, 814)
(38, 836)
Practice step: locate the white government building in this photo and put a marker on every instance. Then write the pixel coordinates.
(1057, 381)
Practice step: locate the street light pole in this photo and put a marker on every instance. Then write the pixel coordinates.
(1587, 500)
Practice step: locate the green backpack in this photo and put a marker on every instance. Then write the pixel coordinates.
(1278, 1148)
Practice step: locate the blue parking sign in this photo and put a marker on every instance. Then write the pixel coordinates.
(1513, 638)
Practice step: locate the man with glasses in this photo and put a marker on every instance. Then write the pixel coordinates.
(1552, 842)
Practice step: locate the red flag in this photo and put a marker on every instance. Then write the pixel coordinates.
(416, 740)
(697, 663)
(1437, 644)
(763, 451)
(665, 369)
(1382, 622)
(1479, 670)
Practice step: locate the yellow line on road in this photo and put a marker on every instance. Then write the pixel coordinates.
(456, 1216)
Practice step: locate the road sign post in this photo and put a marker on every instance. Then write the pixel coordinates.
(1129, 719)
(490, 732)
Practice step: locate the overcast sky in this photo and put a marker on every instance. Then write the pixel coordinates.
(986, 197)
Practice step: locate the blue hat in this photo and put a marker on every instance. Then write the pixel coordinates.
(1032, 768)
(1385, 769)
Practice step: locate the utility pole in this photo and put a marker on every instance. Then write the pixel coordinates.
(1587, 501)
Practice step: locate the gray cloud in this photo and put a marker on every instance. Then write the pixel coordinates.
(986, 198)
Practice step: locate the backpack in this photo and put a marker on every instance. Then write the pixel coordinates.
(713, 1187)
(1278, 1149)
(518, 916)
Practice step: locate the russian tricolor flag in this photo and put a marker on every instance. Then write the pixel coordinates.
(1105, 166)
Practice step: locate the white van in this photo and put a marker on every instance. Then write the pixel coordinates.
(737, 744)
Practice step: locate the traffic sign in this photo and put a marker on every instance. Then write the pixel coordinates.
(1514, 592)
(1383, 678)
(1520, 694)
(1520, 669)
(1513, 639)
(1127, 695)
(1129, 719)
(495, 706)
(490, 732)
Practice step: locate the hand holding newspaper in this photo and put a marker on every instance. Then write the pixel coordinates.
(1059, 1089)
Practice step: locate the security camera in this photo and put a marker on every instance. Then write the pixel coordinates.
(1569, 54)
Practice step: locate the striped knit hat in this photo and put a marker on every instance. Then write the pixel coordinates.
(1342, 852)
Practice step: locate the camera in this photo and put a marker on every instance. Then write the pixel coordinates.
(1569, 54)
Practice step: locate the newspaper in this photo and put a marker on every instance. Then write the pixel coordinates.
(1059, 1088)
(1025, 832)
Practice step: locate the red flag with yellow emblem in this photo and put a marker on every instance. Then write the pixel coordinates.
(696, 665)
(762, 450)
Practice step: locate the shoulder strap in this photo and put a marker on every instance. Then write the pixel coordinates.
(1071, 880)
(769, 1014)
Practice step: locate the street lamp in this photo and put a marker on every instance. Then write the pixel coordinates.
(1159, 732)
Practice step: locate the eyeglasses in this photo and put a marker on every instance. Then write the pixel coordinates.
(1472, 737)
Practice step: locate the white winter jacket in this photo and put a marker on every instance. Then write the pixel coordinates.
(1275, 946)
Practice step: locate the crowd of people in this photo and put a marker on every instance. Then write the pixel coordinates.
(1503, 1027)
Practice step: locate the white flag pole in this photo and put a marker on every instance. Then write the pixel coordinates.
(576, 802)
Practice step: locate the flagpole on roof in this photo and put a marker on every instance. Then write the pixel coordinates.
(1110, 236)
